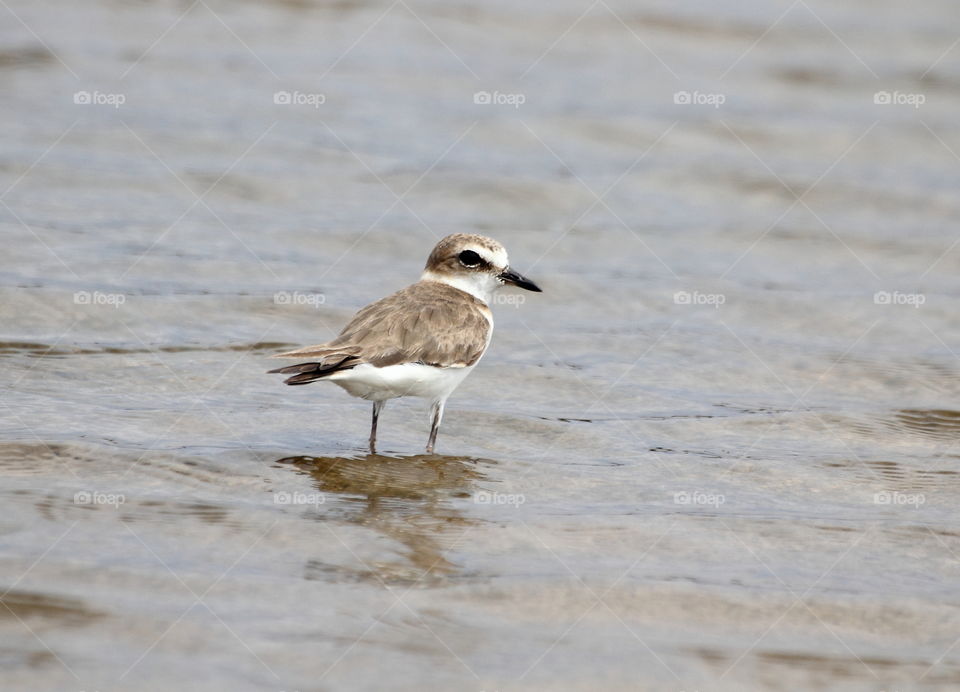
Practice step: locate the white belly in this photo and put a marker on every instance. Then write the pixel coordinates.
(408, 379)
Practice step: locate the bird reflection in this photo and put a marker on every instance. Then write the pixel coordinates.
(406, 499)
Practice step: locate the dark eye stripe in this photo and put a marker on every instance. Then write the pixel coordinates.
(469, 258)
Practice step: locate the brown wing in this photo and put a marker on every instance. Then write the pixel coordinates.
(427, 321)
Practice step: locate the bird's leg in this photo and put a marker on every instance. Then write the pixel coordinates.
(377, 407)
(436, 416)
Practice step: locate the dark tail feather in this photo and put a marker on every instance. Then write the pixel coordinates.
(304, 373)
(309, 376)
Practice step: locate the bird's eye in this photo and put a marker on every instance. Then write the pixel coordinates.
(469, 258)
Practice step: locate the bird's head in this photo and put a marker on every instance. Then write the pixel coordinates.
(475, 264)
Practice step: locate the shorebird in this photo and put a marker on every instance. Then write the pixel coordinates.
(423, 340)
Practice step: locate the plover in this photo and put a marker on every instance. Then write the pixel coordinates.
(421, 341)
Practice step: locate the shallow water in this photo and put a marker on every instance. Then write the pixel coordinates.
(718, 452)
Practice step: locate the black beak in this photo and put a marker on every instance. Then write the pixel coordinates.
(508, 276)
